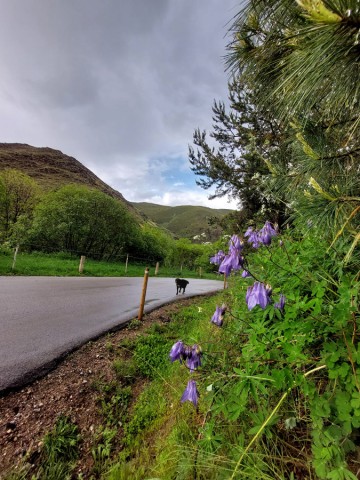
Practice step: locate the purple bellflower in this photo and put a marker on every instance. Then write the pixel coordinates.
(235, 244)
(191, 393)
(248, 232)
(218, 317)
(217, 258)
(193, 360)
(177, 351)
(268, 228)
(265, 238)
(245, 274)
(281, 303)
(267, 232)
(254, 238)
(258, 294)
(232, 261)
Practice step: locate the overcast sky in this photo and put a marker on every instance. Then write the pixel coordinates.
(120, 85)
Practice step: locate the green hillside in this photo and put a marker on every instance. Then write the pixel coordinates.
(185, 220)
(53, 169)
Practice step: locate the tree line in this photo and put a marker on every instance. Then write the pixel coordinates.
(84, 221)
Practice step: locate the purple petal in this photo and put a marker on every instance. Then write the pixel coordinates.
(176, 351)
(191, 393)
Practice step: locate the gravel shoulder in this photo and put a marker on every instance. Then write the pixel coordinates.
(28, 414)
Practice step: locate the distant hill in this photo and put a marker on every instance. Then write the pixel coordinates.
(53, 169)
(185, 220)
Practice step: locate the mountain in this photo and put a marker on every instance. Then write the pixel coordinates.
(185, 220)
(52, 169)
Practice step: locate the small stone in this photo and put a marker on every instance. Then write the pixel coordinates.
(11, 426)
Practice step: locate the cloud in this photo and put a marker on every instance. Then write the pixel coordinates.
(121, 86)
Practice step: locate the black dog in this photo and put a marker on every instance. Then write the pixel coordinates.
(180, 285)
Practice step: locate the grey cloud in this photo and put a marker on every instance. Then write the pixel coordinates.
(113, 83)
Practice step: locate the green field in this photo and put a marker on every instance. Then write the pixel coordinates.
(62, 264)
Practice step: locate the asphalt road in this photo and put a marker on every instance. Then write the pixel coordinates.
(44, 318)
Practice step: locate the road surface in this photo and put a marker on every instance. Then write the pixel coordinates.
(44, 318)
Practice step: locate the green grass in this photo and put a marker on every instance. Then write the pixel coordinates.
(64, 265)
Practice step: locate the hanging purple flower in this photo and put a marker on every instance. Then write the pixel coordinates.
(258, 294)
(254, 239)
(265, 238)
(217, 258)
(218, 316)
(268, 228)
(233, 261)
(267, 232)
(191, 393)
(246, 274)
(281, 303)
(177, 351)
(235, 244)
(193, 360)
(248, 232)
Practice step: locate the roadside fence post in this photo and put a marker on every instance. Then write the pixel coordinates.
(200, 271)
(224, 281)
(126, 263)
(143, 294)
(157, 268)
(82, 263)
(15, 255)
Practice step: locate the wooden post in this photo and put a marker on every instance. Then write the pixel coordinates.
(224, 281)
(82, 263)
(15, 255)
(126, 263)
(181, 267)
(143, 294)
(157, 268)
(200, 271)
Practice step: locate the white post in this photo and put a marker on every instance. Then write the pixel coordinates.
(157, 268)
(126, 263)
(15, 255)
(82, 263)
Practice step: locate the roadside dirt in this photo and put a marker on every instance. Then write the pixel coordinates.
(28, 414)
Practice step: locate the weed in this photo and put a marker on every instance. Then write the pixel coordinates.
(151, 354)
(62, 442)
(101, 453)
(114, 403)
(134, 324)
(156, 328)
(60, 450)
(128, 343)
(126, 371)
(110, 347)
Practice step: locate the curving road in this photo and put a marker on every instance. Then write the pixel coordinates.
(44, 318)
